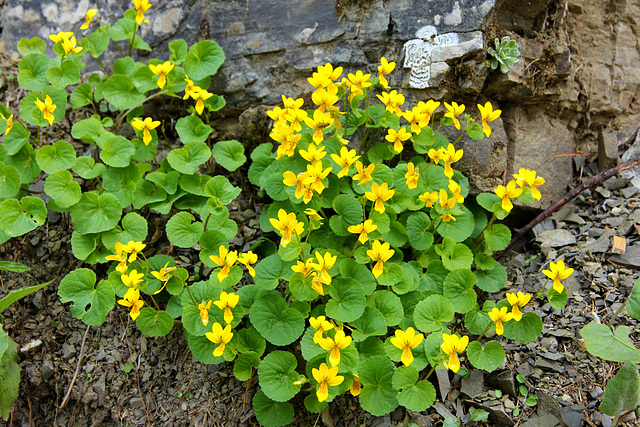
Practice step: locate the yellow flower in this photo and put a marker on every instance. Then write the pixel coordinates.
(313, 154)
(133, 248)
(416, 119)
(435, 155)
(47, 107)
(316, 283)
(326, 377)
(455, 189)
(453, 345)
(303, 267)
(427, 109)
(397, 137)
(558, 272)
(70, 46)
(219, 336)
(355, 387)
(488, 115)
(190, 87)
(322, 325)
(320, 121)
(453, 110)
(345, 160)
(429, 198)
(450, 155)
(507, 193)
(162, 276)
(292, 104)
(500, 315)
(141, 7)
(526, 176)
(363, 176)
(145, 126)
(379, 194)
(447, 217)
(392, 101)
(316, 175)
(313, 215)
(226, 302)
(405, 341)
(385, 68)
(119, 256)
(162, 70)
(300, 181)
(325, 76)
(324, 99)
(225, 259)
(199, 95)
(10, 123)
(204, 311)
(412, 176)
(132, 299)
(363, 228)
(132, 279)
(379, 253)
(91, 13)
(247, 259)
(339, 342)
(56, 38)
(517, 302)
(325, 262)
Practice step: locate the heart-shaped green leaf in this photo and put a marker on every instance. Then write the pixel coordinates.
(203, 60)
(378, 396)
(188, 158)
(9, 181)
(33, 45)
(66, 74)
(276, 322)
(60, 155)
(192, 129)
(32, 71)
(94, 213)
(271, 413)
(229, 154)
(20, 217)
(117, 151)
(154, 323)
(488, 357)
(61, 187)
(183, 231)
(277, 373)
(432, 313)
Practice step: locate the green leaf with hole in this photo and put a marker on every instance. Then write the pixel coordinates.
(183, 231)
(33, 45)
(458, 288)
(117, 151)
(81, 96)
(192, 129)
(203, 60)
(389, 304)
(95, 213)
(120, 92)
(9, 375)
(276, 322)
(229, 154)
(526, 330)
(417, 225)
(633, 302)
(602, 342)
(32, 71)
(622, 392)
(66, 74)
(154, 323)
(432, 313)
(347, 301)
(61, 187)
(20, 217)
(378, 396)
(497, 237)
(245, 364)
(488, 356)
(91, 303)
(188, 158)
(60, 155)
(277, 373)
(491, 280)
(413, 394)
(270, 413)
(9, 181)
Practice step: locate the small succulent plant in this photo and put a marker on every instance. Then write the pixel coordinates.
(504, 55)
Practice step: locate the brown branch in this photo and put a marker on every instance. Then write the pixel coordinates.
(64, 402)
(596, 180)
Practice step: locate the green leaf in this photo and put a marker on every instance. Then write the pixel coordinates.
(432, 313)
(33, 45)
(271, 270)
(183, 231)
(229, 154)
(30, 112)
(91, 304)
(203, 60)
(277, 373)
(633, 302)
(458, 289)
(87, 130)
(474, 130)
(476, 320)
(484, 261)
(389, 304)
(459, 257)
(61, 187)
(134, 227)
(487, 200)
(245, 364)
(491, 280)
(16, 139)
(210, 242)
(117, 151)
(270, 413)
(371, 323)
(249, 340)
(16, 294)
(221, 190)
(526, 330)
(179, 49)
(82, 95)
(202, 349)
(192, 129)
(20, 217)
(601, 342)
(94, 213)
(60, 155)
(9, 181)
(460, 229)
(349, 212)
(489, 357)
(347, 300)
(414, 395)
(381, 152)
(120, 92)
(622, 392)
(417, 225)
(497, 237)
(276, 322)
(378, 396)
(187, 159)
(360, 273)
(154, 323)
(83, 245)
(13, 266)
(66, 74)
(300, 287)
(96, 43)
(557, 300)
(9, 376)
(32, 71)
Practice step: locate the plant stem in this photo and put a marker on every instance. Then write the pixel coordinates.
(133, 36)
(123, 115)
(615, 314)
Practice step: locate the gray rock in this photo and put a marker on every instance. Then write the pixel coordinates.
(631, 257)
(473, 384)
(547, 420)
(572, 416)
(556, 238)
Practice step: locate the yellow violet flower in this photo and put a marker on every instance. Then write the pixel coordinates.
(56, 38)
(331, 74)
(384, 68)
(500, 315)
(435, 155)
(345, 160)
(190, 87)
(47, 107)
(325, 262)
(453, 345)
(316, 283)
(162, 276)
(488, 115)
(427, 109)
(558, 272)
(316, 175)
(119, 256)
(339, 342)
(10, 123)
(133, 248)
(379, 194)
(322, 325)
(145, 126)
(405, 341)
(132, 299)
(247, 259)
(291, 180)
(528, 177)
(416, 119)
(71, 46)
(454, 110)
(91, 13)
(204, 312)
(363, 176)
(219, 336)
(448, 217)
(517, 302)
(356, 386)
(412, 176)
(226, 302)
(429, 198)
(324, 99)
(292, 104)
(363, 229)
(313, 153)
(450, 155)
(313, 215)
(303, 267)
(132, 279)
(141, 7)
(162, 70)
(396, 137)
(287, 225)
(392, 101)
(507, 193)
(224, 259)
(318, 123)
(379, 253)
(455, 189)
(326, 377)
(199, 95)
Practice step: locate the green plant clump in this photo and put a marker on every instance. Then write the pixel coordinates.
(504, 55)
